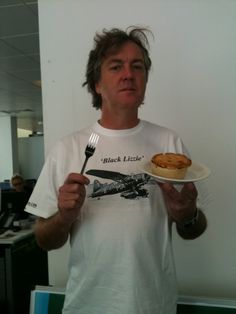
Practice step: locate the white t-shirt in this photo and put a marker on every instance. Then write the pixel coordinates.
(121, 259)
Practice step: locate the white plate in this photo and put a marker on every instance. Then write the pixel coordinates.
(196, 172)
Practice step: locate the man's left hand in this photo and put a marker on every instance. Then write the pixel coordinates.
(181, 205)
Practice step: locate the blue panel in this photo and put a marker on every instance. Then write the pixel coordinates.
(41, 303)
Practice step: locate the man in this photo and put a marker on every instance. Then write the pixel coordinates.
(117, 217)
(17, 183)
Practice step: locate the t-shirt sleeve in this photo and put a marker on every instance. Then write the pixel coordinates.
(43, 200)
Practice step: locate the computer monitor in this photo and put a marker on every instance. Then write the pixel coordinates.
(14, 202)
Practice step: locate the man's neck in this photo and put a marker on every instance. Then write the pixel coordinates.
(118, 122)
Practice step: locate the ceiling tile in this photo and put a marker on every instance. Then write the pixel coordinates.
(22, 16)
(20, 60)
(10, 2)
(26, 44)
(18, 63)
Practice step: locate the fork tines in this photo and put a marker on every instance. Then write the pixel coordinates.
(93, 140)
(90, 149)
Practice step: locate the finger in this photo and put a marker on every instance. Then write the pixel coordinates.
(189, 191)
(67, 188)
(67, 204)
(170, 191)
(68, 195)
(70, 200)
(76, 178)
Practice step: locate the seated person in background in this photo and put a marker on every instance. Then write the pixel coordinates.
(19, 200)
(19, 185)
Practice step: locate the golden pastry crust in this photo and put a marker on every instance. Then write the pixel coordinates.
(171, 160)
(170, 165)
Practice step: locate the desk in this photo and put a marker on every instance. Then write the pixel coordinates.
(23, 265)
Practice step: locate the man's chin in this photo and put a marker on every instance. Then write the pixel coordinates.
(131, 100)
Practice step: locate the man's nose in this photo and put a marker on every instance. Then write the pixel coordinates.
(127, 72)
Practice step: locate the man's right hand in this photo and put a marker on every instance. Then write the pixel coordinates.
(51, 233)
(71, 196)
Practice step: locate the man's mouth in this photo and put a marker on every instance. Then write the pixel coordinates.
(127, 89)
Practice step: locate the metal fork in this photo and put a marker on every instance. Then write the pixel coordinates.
(90, 149)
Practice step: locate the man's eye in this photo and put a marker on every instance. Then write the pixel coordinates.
(138, 66)
(115, 67)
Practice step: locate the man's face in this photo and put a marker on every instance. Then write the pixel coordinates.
(18, 185)
(123, 78)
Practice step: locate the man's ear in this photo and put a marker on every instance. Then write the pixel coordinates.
(98, 88)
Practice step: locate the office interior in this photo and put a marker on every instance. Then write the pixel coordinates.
(205, 268)
(23, 264)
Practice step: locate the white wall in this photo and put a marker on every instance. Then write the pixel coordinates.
(191, 89)
(19, 155)
(31, 156)
(7, 144)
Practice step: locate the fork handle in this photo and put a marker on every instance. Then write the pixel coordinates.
(84, 165)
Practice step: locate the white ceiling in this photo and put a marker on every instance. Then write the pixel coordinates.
(20, 63)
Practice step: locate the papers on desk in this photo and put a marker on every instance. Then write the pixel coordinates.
(11, 237)
(8, 234)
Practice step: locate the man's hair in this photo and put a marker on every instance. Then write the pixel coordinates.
(16, 176)
(108, 42)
